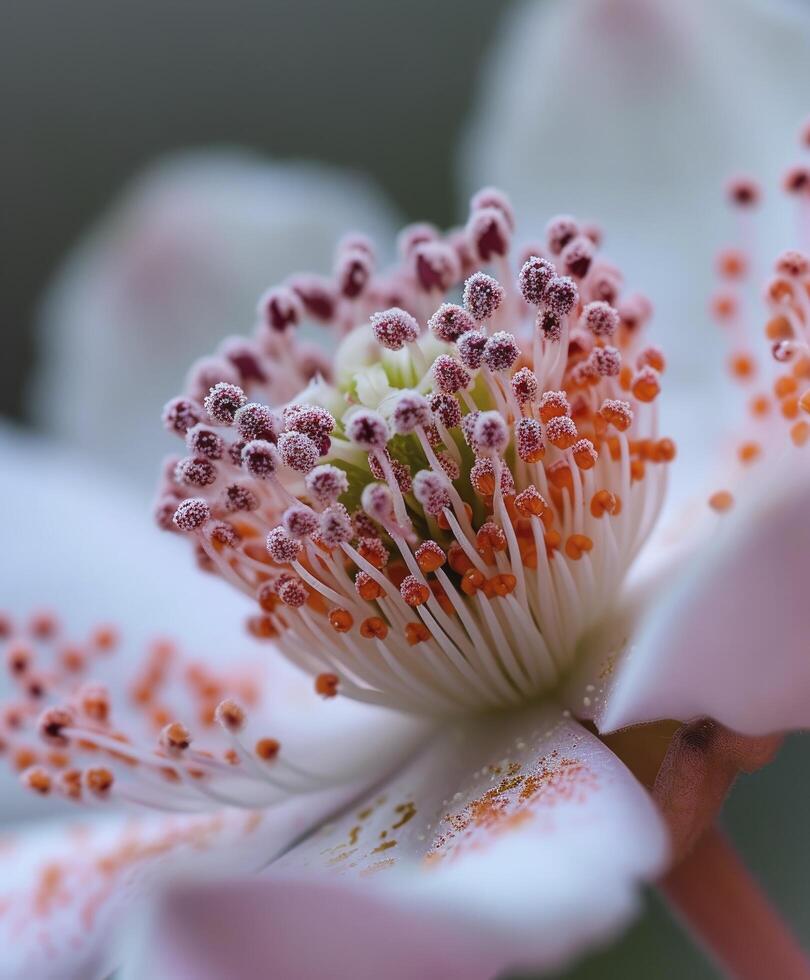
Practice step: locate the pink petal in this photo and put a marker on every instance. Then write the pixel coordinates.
(729, 637)
(181, 256)
(519, 837)
(268, 928)
(64, 887)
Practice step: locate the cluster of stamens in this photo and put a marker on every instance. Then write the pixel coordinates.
(437, 515)
(177, 738)
(786, 298)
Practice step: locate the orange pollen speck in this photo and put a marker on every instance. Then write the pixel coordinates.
(760, 406)
(748, 452)
(721, 501)
(341, 620)
(800, 432)
(326, 685)
(267, 749)
(742, 366)
(374, 628)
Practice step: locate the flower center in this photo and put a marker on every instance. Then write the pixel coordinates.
(445, 507)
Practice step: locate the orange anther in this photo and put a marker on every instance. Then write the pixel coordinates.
(742, 366)
(471, 581)
(732, 263)
(778, 328)
(458, 560)
(553, 540)
(801, 367)
(603, 502)
(367, 587)
(721, 501)
(99, 781)
(503, 584)
(559, 475)
(748, 452)
(416, 633)
(665, 451)
(38, 780)
(414, 592)
(585, 456)
(790, 407)
(430, 557)
(618, 414)
(800, 432)
(490, 538)
(23, 758)
(625, 378)
(104, 638)
(262, 627)
(576, 545)
(784, 385)
(267, 749)
(637, 470)
(326, 685)
(723, 306)
(372, 552)
(760, 406)
(374, 628)
(341, 620)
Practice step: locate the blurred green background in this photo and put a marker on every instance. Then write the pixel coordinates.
(92, 91)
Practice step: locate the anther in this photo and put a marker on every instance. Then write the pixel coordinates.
(483, 296)
(326, 685)
(223, 401)
(394, 328)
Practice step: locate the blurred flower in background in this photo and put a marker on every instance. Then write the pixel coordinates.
(177, 263)
(635, 113)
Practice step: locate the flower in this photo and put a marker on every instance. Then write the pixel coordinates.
(439, 522)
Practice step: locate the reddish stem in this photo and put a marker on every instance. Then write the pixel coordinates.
(726, 912)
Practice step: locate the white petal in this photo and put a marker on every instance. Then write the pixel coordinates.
(176, 265)
(64, 888)
(728, 638)
(522, 830)
(633, 113)
(81, 545)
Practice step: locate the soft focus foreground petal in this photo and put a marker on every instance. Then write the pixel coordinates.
(299, 929)
(64, 887)
(78, 544)
(634, 113)
(728, 637)
(176, 265)
(523, 830)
